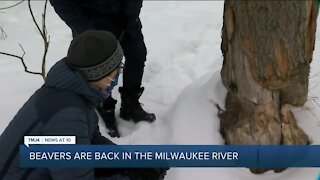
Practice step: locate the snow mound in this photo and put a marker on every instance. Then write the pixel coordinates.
(194, 120)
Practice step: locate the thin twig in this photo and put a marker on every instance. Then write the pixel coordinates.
(34, 19)
(43, 33)
(3, 33)
(8, 7)
(45, 38)
(22, 61)
(316, 100)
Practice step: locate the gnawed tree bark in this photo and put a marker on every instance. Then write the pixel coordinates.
(267, 48)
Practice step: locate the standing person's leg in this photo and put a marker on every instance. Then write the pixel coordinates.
(135, 53)
(107, 108)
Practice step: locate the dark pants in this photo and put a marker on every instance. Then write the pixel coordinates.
(134, 49)
(135, 54)
(132, 43)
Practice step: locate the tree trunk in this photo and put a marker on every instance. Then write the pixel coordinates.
(267, 48)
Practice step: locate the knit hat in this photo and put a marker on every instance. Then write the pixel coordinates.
(94, 54)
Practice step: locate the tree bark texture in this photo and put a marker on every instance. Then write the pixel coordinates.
(267, 48)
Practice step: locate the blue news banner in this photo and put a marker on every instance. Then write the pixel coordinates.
(169, 156)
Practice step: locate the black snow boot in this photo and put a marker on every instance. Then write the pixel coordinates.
(106, 111)
(131, 107)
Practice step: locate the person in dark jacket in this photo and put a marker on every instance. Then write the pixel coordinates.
(121, 17)
(65, 105)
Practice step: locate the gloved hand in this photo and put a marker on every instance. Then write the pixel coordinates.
(147, 173)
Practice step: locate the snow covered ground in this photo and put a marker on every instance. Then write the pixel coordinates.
(181, 77)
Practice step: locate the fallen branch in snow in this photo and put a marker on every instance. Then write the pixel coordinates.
(22, 60)
(45, 37)
(220, 110)
(316, 100)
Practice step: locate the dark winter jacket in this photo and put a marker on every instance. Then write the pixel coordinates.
(64, 105)
(110, 15)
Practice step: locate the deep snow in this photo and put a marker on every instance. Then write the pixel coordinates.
(181, 77)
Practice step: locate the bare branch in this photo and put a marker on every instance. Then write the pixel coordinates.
(45, 39)
(43, 33)
(8, 7)
(22, 61)
(34, 19)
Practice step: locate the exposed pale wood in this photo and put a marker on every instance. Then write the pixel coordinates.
(267, 48)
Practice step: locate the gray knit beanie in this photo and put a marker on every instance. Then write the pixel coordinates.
(95, 54)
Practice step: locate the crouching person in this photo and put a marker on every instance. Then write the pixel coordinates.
(65, 105)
